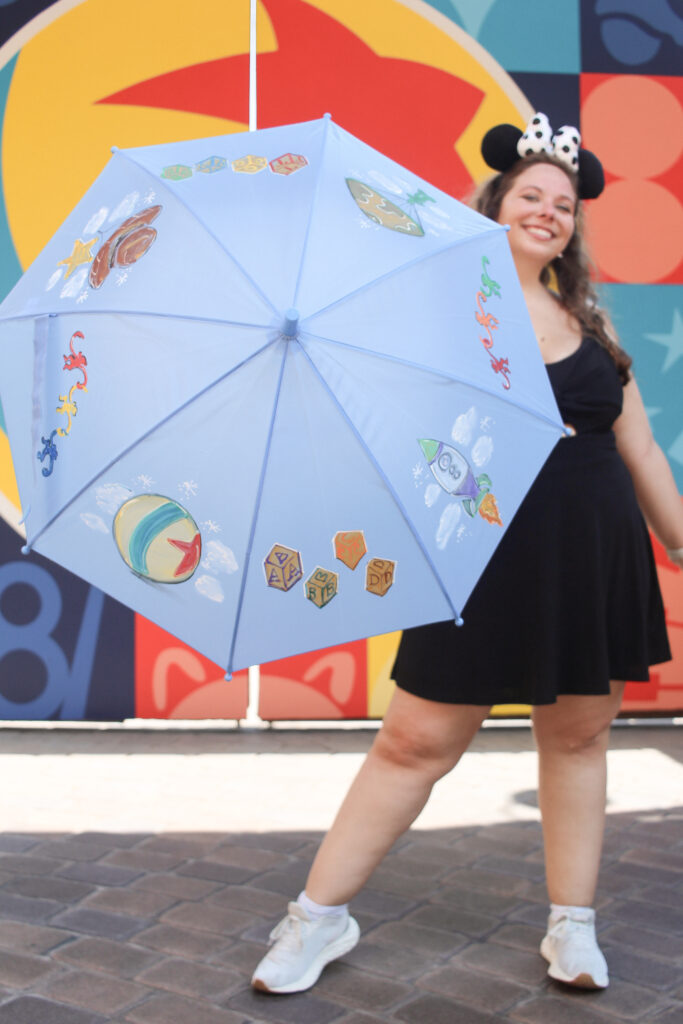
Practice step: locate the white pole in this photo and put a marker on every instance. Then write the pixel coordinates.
(252, 717)
(252, 65)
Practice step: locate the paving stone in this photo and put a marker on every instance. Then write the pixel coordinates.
(100, 922)
(30, 938)
(669, 947)
(186, 847)
(643, 970)
(170, 1009)
(512, 964)
(95, 992)
(206, 917)
(657, 918)
(18, 970)
(390, 961)
(437, 1010)
(191, 979)
(513, 866)
(181, 888)
(245, 857)
(27, 864)
(118, 958)
(289, 882)
(240, 956)
(33, 1010)
(657, 858)
(625, 872)
(441, 855)
(135, 902)
(215, 872)
(413, 937)
(14, 843)
(452, 919)
(70, 849)
(548, 1009)
(477, 901)
(48, 887)
(662, 894)
(622, 1000)
(520, 936)
(382, 904)
(487, 881)
(249, 899)
(179, 941)
(298, 1008)
(123, 840)
(25, 908)
(346, 983)
(141, 859)
(99, 873)
(362, 1018)
(482, 991)
(277, 842)
(412, 887)
(674, 1015)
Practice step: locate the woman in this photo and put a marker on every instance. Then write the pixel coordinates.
(571, 588)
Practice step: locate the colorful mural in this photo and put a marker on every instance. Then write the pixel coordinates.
(428, 78)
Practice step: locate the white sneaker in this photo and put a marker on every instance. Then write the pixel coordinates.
(571, 949)
(301, 947)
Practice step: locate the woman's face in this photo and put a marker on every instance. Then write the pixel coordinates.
(540, 208)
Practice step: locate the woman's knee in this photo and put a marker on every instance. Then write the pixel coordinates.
(425, 745)
(579, 737)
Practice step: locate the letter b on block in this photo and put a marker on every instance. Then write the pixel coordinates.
(283, 567)
(321, 586)
(379, 575)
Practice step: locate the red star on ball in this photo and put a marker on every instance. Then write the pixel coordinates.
(192, 553)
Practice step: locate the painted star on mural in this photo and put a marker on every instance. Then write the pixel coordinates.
(673, 341)
(398, 106)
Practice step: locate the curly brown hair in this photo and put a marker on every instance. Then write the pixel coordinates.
(572, 271)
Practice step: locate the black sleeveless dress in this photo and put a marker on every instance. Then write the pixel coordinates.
(570, 598)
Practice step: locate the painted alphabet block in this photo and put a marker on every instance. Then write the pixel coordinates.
(321, 586)
(283, 567)
(379, 575)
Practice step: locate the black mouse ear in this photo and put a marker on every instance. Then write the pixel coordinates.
(591, 175)
(499, 146)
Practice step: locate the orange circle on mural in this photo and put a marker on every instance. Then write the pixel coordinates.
(646, 139)
(635, 231)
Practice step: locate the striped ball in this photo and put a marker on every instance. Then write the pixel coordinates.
(157, 538)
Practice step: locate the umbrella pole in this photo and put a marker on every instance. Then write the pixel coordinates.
(252, 717)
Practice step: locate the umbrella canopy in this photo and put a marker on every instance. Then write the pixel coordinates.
(273, 391)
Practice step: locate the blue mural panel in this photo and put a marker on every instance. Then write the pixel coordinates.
(66, 650)
(632, 36)
(536, 35)
(650, 325)
(558, 96)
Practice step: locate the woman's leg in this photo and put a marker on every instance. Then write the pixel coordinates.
(572, 738)
(419, 742)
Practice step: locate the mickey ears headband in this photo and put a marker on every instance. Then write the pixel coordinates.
(505, 144)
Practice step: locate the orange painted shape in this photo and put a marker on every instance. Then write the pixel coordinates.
(174, 681)
(635, 229)
(651, 142)
(331, 683)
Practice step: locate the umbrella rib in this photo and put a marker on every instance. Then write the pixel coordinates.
(314, 199)
(219, 243)
(421, 258)
(254, 518)
(401, 507)
(135, 312)
(485, 390)
(138, 440)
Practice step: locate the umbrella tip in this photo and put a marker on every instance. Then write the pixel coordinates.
(290, 325)
(25, 549)
(327, 115)
(227, 676)
(114, 149)
(460, 621)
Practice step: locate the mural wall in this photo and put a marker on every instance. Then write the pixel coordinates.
(420, 80)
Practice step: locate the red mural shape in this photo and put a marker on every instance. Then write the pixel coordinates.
(320, 684)
(395, 105)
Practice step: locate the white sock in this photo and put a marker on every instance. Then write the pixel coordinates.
(316, 910)
(558, 910)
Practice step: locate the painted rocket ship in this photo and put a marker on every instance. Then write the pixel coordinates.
(452, 472)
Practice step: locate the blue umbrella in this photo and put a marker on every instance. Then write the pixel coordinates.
(273, 391)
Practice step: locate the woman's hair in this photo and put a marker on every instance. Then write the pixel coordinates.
(572, 270)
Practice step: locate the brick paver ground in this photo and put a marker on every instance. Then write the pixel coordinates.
(165, 926)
